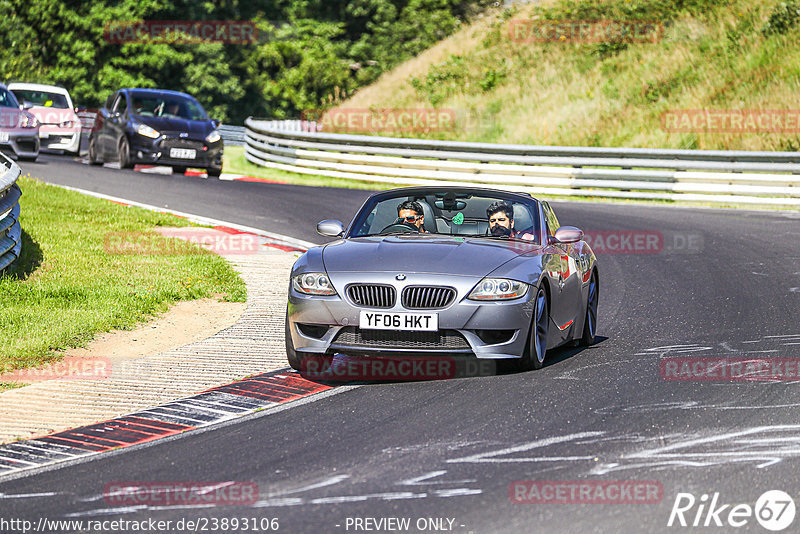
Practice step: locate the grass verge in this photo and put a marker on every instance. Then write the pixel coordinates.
(68, 286)
(724, 56)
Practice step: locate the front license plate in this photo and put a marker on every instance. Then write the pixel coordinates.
(3, 137)
(398, 321)
(182, 153)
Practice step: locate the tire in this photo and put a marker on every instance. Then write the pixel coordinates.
(124, 154)
(590, 321)
(536, 348)
(93, 158)
(214, 172)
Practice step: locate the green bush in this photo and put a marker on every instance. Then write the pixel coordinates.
(310, 54)
(784, 17)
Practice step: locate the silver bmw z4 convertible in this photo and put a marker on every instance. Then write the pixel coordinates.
(428, 272)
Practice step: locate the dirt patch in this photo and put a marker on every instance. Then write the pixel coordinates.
(184, 323)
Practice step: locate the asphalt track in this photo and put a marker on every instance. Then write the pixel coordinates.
(452, 449)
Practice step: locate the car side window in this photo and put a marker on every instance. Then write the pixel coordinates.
(7, 99)
(121, 105)
(550, 216)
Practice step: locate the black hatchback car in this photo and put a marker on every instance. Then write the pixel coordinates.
(156, 127)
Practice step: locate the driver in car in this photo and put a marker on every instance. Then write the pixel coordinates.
(501, 221)
(410, 212)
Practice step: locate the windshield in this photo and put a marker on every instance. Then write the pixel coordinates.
(448, 212)
(42, 98)
(7, 100)
(167, 106)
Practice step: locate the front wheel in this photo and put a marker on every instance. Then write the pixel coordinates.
(93, 158)
(590, 322)
(536, 349)
(124, 154)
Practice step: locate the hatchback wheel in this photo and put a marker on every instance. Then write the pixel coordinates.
(124, 154)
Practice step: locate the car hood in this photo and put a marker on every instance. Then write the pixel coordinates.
(422, 254)
(196, 129)
(54, 115)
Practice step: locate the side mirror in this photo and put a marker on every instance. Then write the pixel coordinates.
(215, 123)
(330, 228)
(80, 109)
(568, 234)
(27, 105)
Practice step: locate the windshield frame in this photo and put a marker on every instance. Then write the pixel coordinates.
(165, 97)
(370, 204)
(49, 93)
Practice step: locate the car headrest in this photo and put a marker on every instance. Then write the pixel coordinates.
(522, 218)
(430, 219)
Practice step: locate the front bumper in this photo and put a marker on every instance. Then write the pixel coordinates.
(490, 330)
(157, 152)
(22, 142)
(55, 139)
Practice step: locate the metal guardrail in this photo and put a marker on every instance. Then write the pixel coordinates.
(87, 120)
(232, 135)
(10, 228)
(292, 125)
(695, 175)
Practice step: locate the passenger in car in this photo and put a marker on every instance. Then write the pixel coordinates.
(501, 221)
(410, 212)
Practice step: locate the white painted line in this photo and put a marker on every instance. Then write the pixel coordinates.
(491, 456)
(16, 460)
(198, 219)
(27, 495)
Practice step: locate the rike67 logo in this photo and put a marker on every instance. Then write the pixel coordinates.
(774, 510)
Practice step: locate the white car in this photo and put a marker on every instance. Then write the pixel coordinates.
(60, 125)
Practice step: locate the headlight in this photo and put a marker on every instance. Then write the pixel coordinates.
(213, 137)
(66, 124)
(313, 284)
(27, 120)
(146, 131)
(498, 289)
